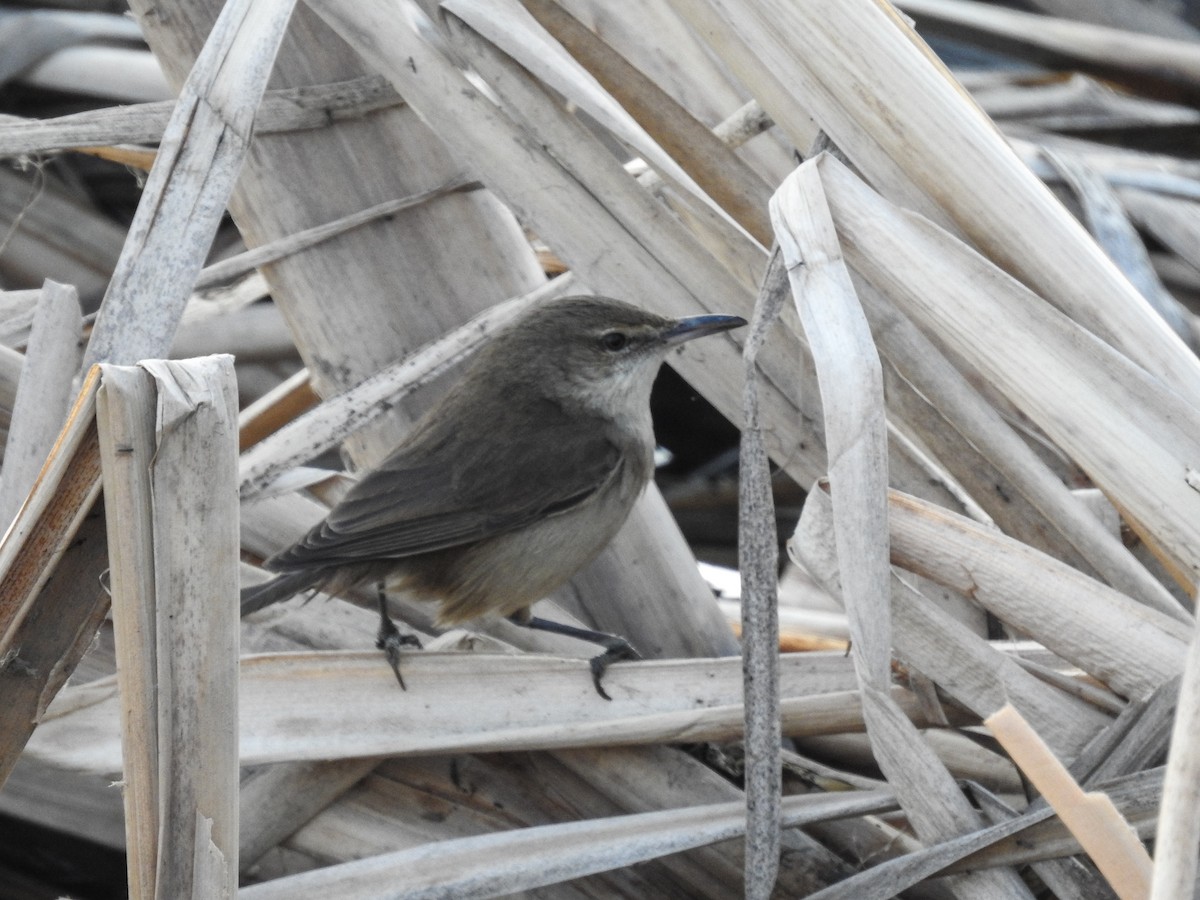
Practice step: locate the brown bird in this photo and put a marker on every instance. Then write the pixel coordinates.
(517, 480)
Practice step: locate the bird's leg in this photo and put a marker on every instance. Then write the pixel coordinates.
(615, 646)
(390, 639)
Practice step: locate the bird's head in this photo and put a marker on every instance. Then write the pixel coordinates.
(599, 352)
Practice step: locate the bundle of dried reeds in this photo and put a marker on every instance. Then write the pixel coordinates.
(992, 404)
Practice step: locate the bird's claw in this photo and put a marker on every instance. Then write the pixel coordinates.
(614, 650)
(390, 640)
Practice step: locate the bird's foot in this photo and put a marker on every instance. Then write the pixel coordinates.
(615, 649)
(390, 640)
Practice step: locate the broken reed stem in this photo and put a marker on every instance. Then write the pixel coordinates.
(758, 559)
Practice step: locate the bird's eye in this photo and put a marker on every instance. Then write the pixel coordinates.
(614, 341)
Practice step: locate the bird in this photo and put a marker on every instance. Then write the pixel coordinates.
(509, 486)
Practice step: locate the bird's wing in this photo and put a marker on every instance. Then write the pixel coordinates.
(440, 490)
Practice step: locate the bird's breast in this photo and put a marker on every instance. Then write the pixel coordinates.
(506, 573)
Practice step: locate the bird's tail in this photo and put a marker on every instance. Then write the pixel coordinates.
(281, 587)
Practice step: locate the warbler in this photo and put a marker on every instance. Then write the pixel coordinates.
(514, 482)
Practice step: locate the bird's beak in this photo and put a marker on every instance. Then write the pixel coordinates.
(699, 326)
